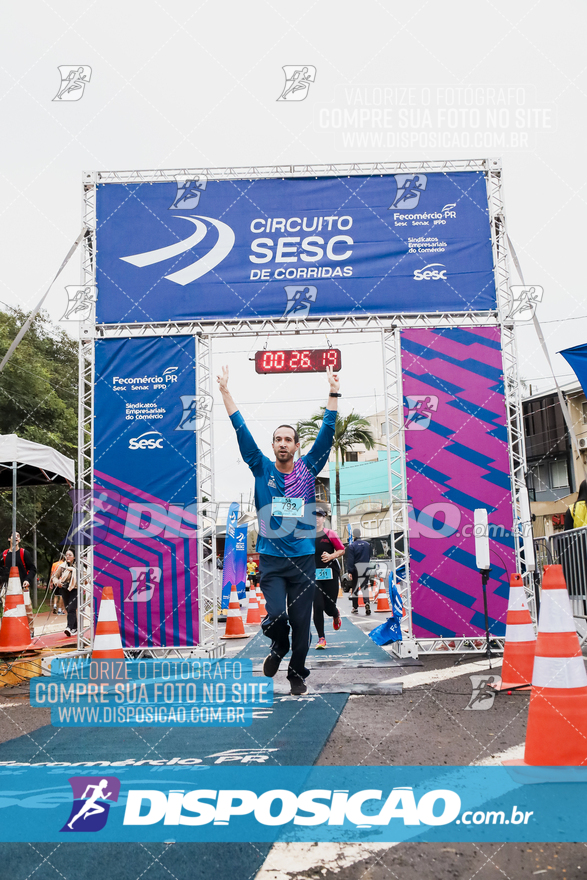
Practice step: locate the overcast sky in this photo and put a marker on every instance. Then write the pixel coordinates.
(192, 84)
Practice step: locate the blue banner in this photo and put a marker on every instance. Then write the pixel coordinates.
(183, 803)
(576, 357)
(294, 247)
(234, 570)
(145, 487)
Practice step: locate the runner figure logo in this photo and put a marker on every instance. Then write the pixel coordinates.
(524, 301)
(90, 802)
(190, 412)
(409, 189)
(297, 82)
(144, 580)
(74, 79)
(419, 411)
(188, 193)
(299, 300)
(79, 303)
(485, 688)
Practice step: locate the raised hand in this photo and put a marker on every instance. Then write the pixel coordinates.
(223, 380)
(333, 379)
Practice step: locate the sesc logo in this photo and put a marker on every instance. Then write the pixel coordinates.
(147, 441)
(431, 272)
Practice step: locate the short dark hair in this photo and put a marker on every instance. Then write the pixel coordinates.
(291, 427)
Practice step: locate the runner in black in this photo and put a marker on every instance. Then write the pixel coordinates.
(328, 548)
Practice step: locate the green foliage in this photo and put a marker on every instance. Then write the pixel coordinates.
(349, 431)
(38, 401)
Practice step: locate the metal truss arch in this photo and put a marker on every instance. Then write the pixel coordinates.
(388, 327)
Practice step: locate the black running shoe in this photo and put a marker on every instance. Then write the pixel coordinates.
(367, 609)
(271, 664)
(298, 687)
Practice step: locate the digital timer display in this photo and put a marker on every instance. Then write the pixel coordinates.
(299, 360)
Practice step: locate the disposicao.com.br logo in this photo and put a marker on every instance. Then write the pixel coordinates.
(312, 807)
(282, 806)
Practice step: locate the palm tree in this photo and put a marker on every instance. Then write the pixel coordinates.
(350, 430)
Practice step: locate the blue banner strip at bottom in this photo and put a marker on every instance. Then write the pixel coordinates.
(306, 804)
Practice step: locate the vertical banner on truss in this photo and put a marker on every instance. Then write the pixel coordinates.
(457, 460)
(235, 556)
(145, 488)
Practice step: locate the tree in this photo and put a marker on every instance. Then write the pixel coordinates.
(38, 401)
(350, 430)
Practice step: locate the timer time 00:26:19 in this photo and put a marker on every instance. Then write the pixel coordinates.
(298, 360)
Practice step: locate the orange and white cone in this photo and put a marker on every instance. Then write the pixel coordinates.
(382, 598)
(253, 615)
(262, 603)
(557, 716)
(235, 628)
(14, 632)
(107, 641)
(520, 639)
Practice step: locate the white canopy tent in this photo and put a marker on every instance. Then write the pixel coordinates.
(38, 465)
(24, 463)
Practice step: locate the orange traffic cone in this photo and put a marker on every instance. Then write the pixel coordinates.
(253, 616)
(234, 623)
(14, 633)
(361, 603)
(382, 598)
(107, 641)
(557, 717)
(520, 639)
(262, 603)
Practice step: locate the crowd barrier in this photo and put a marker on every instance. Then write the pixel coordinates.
(568, 549)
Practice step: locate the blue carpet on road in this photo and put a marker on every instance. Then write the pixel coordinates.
(132, 861)
(348, 645)
(292, 732)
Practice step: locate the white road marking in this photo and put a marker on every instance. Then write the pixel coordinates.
(286, 861)
(514, 753)
(431, 676)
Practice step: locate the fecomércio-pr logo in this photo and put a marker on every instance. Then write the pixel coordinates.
(92, 797)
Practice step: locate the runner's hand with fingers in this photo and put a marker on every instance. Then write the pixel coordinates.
(223, 380)
(333, 379)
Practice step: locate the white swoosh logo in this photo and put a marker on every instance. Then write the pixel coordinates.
(200, 267)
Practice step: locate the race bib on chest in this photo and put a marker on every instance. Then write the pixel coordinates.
(323, 574)
(287, 507)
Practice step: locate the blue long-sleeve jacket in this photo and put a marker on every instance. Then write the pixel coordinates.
(286, 536)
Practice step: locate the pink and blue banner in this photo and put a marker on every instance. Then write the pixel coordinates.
(457, 460)
(145, 523)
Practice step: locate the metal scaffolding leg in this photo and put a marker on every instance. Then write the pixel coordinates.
(397, 482)
(206, 551)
